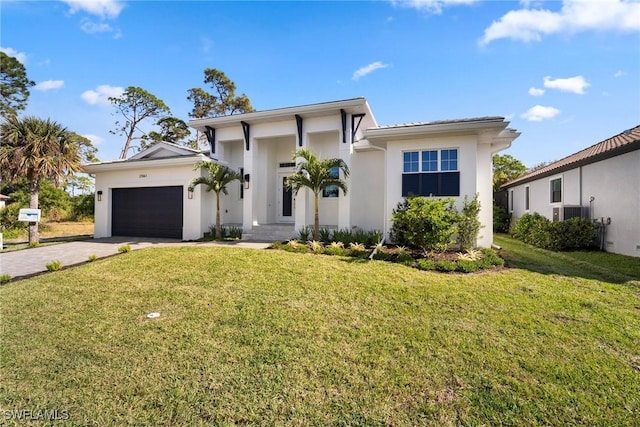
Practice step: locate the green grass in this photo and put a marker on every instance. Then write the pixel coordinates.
(271, 337)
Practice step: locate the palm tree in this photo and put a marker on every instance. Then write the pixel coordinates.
(316, 175)
(217, 179)
(38, 149)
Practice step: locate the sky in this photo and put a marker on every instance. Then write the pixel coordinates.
(566, 74)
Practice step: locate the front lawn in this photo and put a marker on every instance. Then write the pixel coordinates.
(271, 337)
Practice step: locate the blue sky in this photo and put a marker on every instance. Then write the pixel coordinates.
(566, 74)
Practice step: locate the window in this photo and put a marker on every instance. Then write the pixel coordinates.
(526, 198)
(410, 161)
(510, 200)
(242, 184)
(556, 190)
(333, 190)
(429, 161)
(449, 160)
(430, 173)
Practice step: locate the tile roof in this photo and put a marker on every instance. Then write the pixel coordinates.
(621, 143)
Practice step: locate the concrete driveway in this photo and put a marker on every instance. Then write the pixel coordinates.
(33, 261)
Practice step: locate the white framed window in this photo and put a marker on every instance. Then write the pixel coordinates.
(555, 190)
(430, 173)
(332, 190)
(527, 194)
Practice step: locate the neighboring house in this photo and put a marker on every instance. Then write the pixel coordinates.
(601, 182)
(147, 194)
(3, 200)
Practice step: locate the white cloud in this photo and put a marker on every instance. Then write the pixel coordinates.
(95, 139)
(367, 69)
(49, 85)
(101, 95)
(101, 8)
(574, 16)
(619, 73)
(430, 6)
(534, 91)
(91, 27)
(575, 84)
(539, 113)
(20, 56)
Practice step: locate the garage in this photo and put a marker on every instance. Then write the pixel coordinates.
(147, 212)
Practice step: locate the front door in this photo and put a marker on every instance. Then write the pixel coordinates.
(285, 200)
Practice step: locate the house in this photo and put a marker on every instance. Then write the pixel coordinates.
(3, 200)
(601, 182)
(147, 194)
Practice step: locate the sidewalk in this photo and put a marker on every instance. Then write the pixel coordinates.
(32, 261)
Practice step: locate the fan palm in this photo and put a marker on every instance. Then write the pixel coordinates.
(316, 175)
(217, 178)
(38, 149)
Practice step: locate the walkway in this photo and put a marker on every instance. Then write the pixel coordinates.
(33, 261)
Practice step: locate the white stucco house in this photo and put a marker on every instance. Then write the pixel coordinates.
(147, 194)
(601, 182)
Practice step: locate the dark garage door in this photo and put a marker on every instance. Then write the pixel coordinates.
(147, 212)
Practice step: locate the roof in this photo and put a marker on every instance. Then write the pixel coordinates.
(624, 142)
(3, 197)
(444, 122)
(351, 106)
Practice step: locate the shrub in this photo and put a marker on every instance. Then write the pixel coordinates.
(426, 264)
(232, 233)
(343, 235)
(446, 266)
(325, 235)
(82, 206)
(534, 230)
(490, 258)
(9, 218)
(54, 265)
(124, 249)
(467, 266)
(93, 257)
(574, 233)
(305, 232)
(468, 223)
(427, 223)
(5, 278)
(316, 246)
(501, 219)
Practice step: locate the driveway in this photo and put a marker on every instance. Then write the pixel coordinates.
(33, 261)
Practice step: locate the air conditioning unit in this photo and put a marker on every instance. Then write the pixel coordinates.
(569, 212)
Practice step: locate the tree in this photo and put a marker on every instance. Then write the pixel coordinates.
(38, 150)
(136, 105)
(223, 103)
(506, 168)
(172, 129)
(217, 179)
(316, 175)
(14, 86)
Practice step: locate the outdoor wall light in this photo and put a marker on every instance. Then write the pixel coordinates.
(190, 193)
(99, 195)
(246, 181)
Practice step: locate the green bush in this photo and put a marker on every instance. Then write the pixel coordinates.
(9, 218)
(124, 249)
(446, 266)
(572, 234)
(466, 266)
(93, 257)
(82, 206)
(325, 235)
(501, 219)
(425, 222)
(54, 265)
(5, 278)
(305, 232)
(468, 223)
